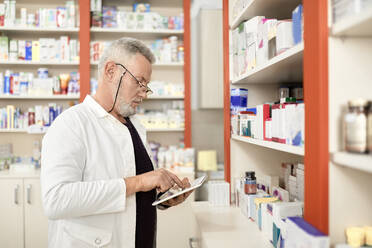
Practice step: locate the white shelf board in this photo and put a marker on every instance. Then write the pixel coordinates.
(23, 131)
(136, 31)
(172, 64)
(12, 130)
(56, 97)
(358, 25)
(165, 130)
(165, 98)
(38, 29)
(26, 62)
(361, 162)
(286, 67)
(226, 226)
(271, 145)
(268, 8)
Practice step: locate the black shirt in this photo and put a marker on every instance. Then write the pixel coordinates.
(145, 212)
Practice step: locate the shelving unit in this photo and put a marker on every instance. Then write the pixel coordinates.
(54, 97)
(172, 64)
(23, 140)
(286, 67)
(358, 25)
(350, 176)
(133, 31)
(170, 72)
(360, 162)
(305, 63)
(271, 145)
(31, 63)
(37, 29)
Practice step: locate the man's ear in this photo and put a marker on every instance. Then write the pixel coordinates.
(109, 71)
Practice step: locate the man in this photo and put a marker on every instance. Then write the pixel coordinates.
(98, 181)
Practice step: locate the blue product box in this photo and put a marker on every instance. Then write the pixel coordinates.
(141, 7)
(28, 50)
(109, 17)
(297, 24)
(239, 97)
(6, 84)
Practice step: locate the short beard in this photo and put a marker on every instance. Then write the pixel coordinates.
(125, 109)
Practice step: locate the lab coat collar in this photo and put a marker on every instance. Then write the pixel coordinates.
(97, 109)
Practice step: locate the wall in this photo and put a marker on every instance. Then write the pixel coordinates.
(207, 125)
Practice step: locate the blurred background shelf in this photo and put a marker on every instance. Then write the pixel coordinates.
(362, 162)
(165, 130)
(55, 97)
(165, 98)
(24, 62)
(358, 25)
(37, 29)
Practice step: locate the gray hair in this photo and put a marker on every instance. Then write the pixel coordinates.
(124, 48)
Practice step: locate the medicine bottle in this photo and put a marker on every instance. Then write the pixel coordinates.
(250, 186)
(369, 127)
(355, 122)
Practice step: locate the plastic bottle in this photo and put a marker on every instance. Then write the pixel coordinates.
(250, 185)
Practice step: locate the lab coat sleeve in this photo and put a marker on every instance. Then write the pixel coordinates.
(64, 194)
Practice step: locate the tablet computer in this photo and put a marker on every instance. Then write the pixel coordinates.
(171, 193)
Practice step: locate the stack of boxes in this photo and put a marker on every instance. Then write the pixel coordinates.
(259, 39)
(274, 211)
(281, 122)
(12, 118)
(141, 18)
(42, 50)
(60, 17)
(293, 180)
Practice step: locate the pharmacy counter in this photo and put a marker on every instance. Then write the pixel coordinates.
(13, 175)
(226, 227)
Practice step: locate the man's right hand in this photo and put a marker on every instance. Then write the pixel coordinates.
(160, 179)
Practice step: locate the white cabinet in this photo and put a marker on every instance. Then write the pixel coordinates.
(23, 224)
(210, 59)
(11, 213)
(35, 222)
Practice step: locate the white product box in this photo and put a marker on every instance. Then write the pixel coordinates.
(284, 36)
(266, 29)
(21, 49)
(251, 31)
(65, 51)
(302, 234)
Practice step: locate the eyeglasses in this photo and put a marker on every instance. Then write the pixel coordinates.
(142, 85)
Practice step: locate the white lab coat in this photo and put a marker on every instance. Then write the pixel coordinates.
(86, 153)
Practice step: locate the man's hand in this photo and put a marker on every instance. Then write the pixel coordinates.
(181, 198)
(160, 179)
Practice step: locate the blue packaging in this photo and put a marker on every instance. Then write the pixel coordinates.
(52, 114)
(7, 82)
(28, 50)
(297, 28)
(141, 7)
(239, 97)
